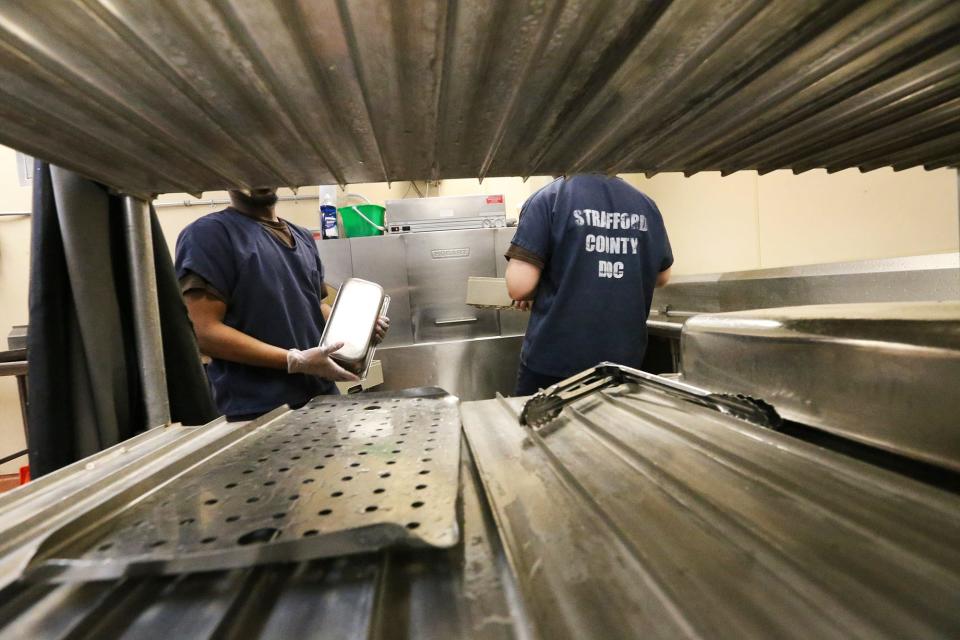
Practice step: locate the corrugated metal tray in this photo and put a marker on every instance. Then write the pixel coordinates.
(640, 514)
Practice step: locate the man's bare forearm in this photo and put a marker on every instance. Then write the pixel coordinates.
(219, 341)
(663, 277)
(522, 279)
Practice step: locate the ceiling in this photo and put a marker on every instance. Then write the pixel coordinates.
(194, 95)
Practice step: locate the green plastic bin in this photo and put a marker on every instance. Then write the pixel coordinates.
(362, 220)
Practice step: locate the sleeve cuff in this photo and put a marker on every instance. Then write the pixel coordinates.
(516, 252)
(192, 282)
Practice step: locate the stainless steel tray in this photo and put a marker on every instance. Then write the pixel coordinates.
(358, 305)
(342, 475)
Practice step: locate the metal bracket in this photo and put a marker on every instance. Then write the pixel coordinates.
(541, 409)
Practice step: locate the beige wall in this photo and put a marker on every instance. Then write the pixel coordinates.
(746, 221)
(174, 219)
(816, 217)
(711, 221)
(14, 272)
(742, 221)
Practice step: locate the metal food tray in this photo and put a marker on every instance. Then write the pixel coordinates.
(342, 475)
(344, 303)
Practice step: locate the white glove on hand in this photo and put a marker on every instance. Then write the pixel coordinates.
(317, 362)
(380, 330)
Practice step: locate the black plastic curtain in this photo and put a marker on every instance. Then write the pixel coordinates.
(85, 391)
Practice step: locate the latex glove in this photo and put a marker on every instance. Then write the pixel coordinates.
(380, 331)
(317, 362)
(523, 305)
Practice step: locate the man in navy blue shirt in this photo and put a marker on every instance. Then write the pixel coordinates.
(588, 252)
(253, 287)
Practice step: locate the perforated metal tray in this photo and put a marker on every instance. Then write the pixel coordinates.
(339, 476)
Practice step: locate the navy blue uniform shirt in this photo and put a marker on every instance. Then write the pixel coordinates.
(273, 293)
(602, 244)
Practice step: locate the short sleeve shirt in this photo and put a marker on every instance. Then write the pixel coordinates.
(273, 293)
(601, 244)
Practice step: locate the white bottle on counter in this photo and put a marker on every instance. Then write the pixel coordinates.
(328, 219)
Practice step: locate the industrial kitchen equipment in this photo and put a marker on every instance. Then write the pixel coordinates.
(435, 337)
(446, 213)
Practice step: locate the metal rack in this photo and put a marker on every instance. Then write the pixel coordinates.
(186, 96)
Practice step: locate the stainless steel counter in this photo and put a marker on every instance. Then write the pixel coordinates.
(907, 279)
(473, 369)
(885, 374)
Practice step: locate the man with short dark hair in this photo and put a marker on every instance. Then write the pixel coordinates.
(587, 254)
(253, 286)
